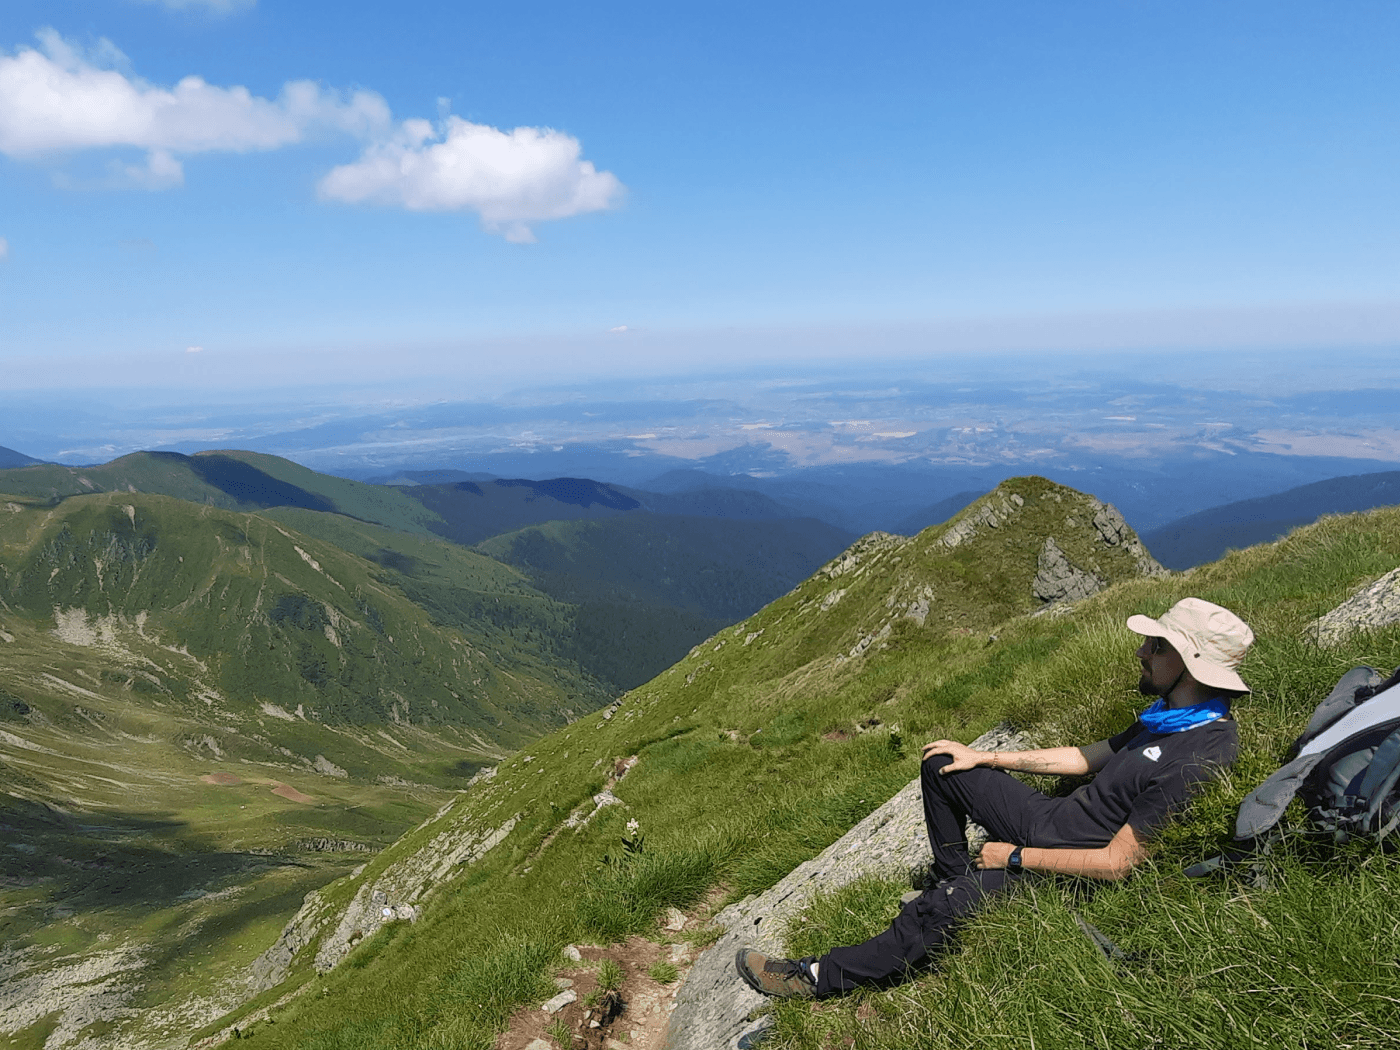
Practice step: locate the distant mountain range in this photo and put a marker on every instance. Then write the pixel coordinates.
(10, 458)
(713, 554)
(1205, 536)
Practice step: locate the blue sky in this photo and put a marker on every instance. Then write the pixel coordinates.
(778, 168)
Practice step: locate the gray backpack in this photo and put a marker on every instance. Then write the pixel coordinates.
(1345, 768)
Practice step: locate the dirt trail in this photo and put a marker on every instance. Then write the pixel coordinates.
(633, 1019)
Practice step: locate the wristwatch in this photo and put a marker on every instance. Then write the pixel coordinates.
(1013, 862)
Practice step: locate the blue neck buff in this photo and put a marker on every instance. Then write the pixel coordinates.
(1159, 718)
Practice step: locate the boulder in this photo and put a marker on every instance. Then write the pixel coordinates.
(715, 1009)
(1370, 607)
(1057, 580)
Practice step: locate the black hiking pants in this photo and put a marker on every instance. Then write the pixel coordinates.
(1010, 811)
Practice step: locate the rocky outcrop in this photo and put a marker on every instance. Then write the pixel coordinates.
(1057, 580)
(1372, 606)
(388, 894)
(986, 514)
(1115, 532)
(861, 551)
(715, 1009)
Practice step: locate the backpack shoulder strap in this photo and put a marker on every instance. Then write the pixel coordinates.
(1381, 775)
(1339, 701)
(1263, 807)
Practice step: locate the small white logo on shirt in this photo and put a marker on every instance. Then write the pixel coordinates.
(1154, 752)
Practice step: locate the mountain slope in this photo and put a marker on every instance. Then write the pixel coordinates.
(204, 715)
(233, 480)
(10, 458)
(764, 745)
(1205, 536)
(269, 615)
(754, 752)
(649, 586)
(471, 512)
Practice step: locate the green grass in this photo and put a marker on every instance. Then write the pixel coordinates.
(663, 972)
(609, 975)
(720, 806)
(1308, 962)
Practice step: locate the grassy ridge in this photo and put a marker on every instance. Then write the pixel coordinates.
(736, 784)
(233, 480)
(742, 773)
(274, 616)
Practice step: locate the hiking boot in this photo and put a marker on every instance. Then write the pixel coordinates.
(783, 978)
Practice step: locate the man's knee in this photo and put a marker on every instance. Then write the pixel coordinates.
(934, 763)
(929, 772)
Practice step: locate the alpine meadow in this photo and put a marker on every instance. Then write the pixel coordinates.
(729, 526)
(211, 715)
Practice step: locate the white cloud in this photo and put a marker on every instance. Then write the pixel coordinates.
(57, 99)
(194, 349)
(4, 249)
(510, 178)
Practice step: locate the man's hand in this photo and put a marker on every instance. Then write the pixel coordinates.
(1123, 853)
(963, 756)
(994, 855)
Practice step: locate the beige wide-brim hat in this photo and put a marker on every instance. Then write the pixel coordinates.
(1211, 639)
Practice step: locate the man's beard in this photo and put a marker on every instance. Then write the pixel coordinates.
(1145, 686)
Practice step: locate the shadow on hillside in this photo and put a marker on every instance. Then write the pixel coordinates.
(247, 484)
(91, 861)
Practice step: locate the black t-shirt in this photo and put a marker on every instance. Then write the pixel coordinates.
(1149, 776)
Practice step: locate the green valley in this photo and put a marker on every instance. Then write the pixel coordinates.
(206, 714)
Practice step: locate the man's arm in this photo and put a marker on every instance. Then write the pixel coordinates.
(1123, 853)
(1061, 761)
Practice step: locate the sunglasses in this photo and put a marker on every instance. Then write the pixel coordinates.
(1157, 646)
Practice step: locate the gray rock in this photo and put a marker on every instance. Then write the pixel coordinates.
(572, 953)
(389, 897)
(714, 1008)
(1115, 532)
(563, 999)
(1058, 580)
(1373, 606)
(327, 768)
(989, 515)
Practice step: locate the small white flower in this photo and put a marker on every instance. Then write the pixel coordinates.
(633, 825)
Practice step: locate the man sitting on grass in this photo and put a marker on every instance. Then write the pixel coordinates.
(1189, 658)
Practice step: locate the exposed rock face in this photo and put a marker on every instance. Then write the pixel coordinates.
(1056, 580)
(1116, 532)
(387, 895)
(1371, 607)
(714, 1004)
(860, 551)
(991, 514)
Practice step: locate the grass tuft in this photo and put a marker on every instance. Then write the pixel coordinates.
(609, 975)
(625, 897)
(663, 972)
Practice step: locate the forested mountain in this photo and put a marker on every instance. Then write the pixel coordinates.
(1205, 536)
